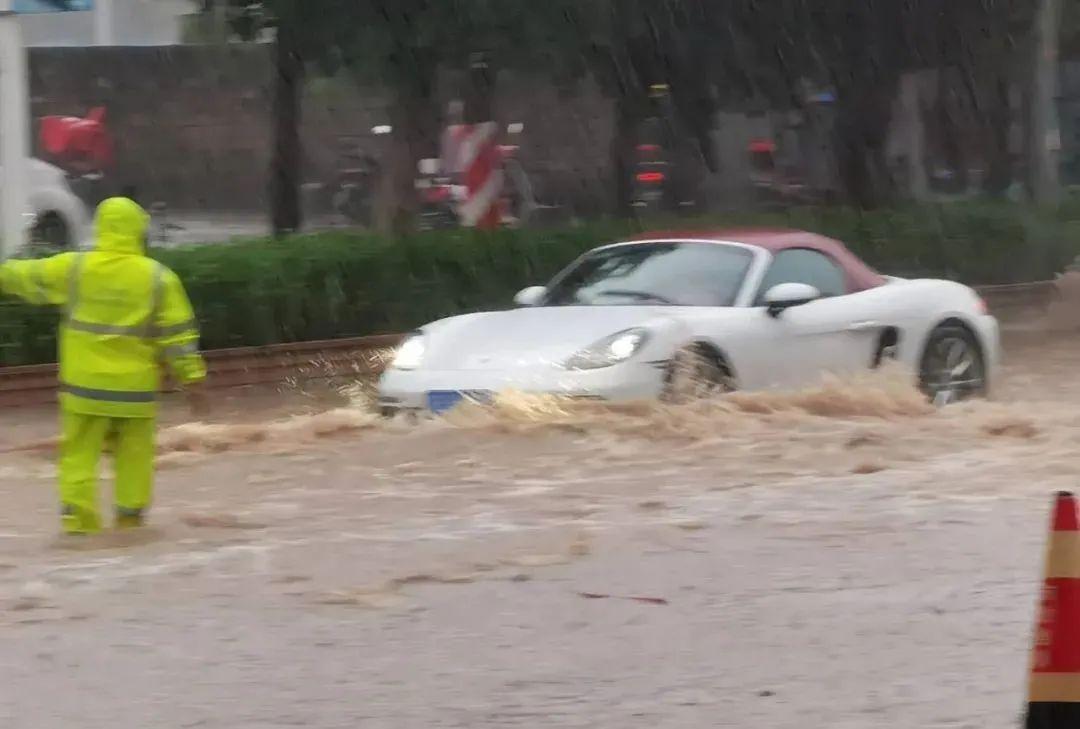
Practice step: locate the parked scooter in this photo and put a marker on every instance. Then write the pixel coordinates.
(439, 198)
(659, 182)
(651, 167)
(355, 184)
(83, 148)
(650, 179)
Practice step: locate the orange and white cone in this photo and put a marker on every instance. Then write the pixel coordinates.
(1054, 687)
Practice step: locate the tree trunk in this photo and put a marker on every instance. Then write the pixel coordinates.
(854, 160)
(622, 146)
(1043, 163)
(950, 134)
(866, 76)
(999, 168)
(411, 139)
(915, 137)
(860, 131)
(285, 168)
(480, 93)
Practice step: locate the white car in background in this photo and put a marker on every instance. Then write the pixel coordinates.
(61, 218)
(682, 316)
(57, 218)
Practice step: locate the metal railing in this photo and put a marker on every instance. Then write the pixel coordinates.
(366, 356)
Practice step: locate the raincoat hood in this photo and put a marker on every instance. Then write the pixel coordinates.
(121, 226)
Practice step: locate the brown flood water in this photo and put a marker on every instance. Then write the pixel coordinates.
(843, 556)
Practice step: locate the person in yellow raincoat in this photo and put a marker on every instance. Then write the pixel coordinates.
(124, 314)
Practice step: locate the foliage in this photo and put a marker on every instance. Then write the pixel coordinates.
(343, 284)
(711, 54)
(395, 42)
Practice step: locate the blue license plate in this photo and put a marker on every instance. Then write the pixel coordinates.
(440, 401)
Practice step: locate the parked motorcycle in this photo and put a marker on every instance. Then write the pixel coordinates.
(660, 183)
(775, 184)
(354, 187)
(439, 199)
(650, 188)
(83, 148)
(650, 179)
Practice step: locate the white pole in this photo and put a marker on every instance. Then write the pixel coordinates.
(14, 133)
(104, 30)
(221, 22)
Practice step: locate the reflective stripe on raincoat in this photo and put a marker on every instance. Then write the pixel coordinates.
(123, 314)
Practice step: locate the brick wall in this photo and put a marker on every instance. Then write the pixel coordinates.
(192, 123)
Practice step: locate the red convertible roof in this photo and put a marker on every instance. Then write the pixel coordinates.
(860, 276)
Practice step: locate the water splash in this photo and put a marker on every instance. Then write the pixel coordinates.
(836, 408)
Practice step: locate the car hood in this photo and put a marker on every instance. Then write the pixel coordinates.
(529, 336)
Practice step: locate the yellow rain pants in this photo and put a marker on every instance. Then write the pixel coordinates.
(82, 440)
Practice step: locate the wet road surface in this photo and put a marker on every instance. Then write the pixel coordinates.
(841, 557)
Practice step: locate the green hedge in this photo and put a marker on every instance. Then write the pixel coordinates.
(343, 284)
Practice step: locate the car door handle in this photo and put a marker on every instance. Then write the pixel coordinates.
(863, 326)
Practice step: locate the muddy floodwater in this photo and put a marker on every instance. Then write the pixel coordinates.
(841, 557)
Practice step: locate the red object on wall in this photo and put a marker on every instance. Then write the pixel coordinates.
(81, 143)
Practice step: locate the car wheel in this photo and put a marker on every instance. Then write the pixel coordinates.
(408, 416)
(952, 367)
(695, 374)
(51, 233)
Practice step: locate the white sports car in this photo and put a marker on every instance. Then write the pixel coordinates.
(678, 316)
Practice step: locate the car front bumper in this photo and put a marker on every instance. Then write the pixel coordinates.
(409, 390)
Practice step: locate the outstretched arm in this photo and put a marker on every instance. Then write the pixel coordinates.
(38, 281)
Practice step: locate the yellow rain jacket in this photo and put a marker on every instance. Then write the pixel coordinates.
(124, 314)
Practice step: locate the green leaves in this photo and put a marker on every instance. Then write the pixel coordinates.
(391, 41)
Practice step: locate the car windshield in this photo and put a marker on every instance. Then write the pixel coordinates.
(664, 274)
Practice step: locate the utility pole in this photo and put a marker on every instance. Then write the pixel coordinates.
(14, 132)
(1045, 142)
(104, 23)
(221, 21)
(285, 210)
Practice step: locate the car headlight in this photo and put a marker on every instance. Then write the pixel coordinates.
(410, 353)
(610, 351)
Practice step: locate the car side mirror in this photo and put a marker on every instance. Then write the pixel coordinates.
(786, 295)
(530, 296)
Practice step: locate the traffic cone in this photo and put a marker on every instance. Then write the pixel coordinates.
(1054, 687)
